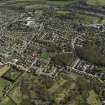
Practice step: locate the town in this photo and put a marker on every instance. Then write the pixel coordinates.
(52, 43)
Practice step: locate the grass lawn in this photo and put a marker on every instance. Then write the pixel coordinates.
(44, 55)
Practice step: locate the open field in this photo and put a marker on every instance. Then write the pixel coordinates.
(96, 2)
(93, 98)
(87, 19)
(4, 69)
(7, 101)
(76, 89)
(16, 95)
(3, 85)
(34, 3)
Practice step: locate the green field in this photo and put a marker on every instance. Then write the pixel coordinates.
(79, 89)
(61, 2)
(4, 69)
(87, 19)
(44, 55)
(35, 3)
(12, 74)
(7, 101)
(16, 95)
(93, 98)
(57, 91)
(96, 2)
(3, 84)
